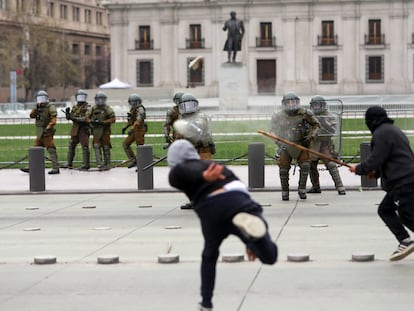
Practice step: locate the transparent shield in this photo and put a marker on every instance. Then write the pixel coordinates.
(331, 125)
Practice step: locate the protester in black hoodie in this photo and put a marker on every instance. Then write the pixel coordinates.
(224, 207)
(392, 159)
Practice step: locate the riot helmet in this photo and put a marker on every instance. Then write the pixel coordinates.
(42, 97)
(81, 96)
(318, 104)
(100, 99)
(176, 98)
(188, 104)
(290, 102)
(134, 100)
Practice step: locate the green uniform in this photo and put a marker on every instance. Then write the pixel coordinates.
(136, 119)
(102, 116)
(46, 118)
(299, 127)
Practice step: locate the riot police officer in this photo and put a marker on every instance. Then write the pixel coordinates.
(172, 115)
(136, 119)
(324, 144)
(46, 118)
(80, 131)
(102, 116)
(198, 126)
(298, 125)
(195, 126)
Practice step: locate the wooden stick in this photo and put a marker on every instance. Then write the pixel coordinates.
(289, 143)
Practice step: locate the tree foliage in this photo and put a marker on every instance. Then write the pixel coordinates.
(42, 51)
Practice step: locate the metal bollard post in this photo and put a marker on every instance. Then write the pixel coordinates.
(256, 157)
(365, 151)
(144, 158)
(37, 169)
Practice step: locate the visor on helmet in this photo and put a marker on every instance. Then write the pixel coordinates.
(40, 99)
(80, 98)
(190, 106)
(100, 101)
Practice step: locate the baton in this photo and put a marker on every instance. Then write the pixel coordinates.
(154, 163)
(289, 143)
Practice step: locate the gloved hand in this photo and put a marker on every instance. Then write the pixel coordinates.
(168, 139)
(123, 130)
(307, 141)
(67, 113)
(97, 122)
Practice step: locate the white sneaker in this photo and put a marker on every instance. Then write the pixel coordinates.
(404, 249)
(251, 226)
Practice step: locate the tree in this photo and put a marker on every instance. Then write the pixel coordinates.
(43, 52)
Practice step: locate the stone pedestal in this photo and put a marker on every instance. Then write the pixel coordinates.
(233, 86)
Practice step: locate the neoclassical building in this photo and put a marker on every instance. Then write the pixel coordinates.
(83, 24)
(313, 47)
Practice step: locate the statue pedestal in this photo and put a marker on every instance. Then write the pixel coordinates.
(233, 86)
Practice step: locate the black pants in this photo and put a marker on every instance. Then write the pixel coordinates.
(216, 215)
(397, 211)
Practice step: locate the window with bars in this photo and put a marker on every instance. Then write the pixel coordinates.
(375, 69)
(144, 71)
(195, 77)
(327, 70)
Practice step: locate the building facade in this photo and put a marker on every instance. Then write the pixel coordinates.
(312, 47)
(82, 23)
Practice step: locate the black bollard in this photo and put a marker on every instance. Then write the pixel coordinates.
(37, 169)
(365, 151)
(256, 157)
(144, 158)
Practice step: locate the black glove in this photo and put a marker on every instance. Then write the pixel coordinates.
(168, 139)
(97, 122)
(67, 113)
(123, 130)
(306, 141)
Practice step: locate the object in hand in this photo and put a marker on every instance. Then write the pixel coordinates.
(67, 113)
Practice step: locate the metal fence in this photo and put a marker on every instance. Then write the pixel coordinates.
(232, 133)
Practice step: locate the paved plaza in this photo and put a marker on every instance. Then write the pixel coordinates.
(82, 217)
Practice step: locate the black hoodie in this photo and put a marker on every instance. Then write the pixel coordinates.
(391, 155)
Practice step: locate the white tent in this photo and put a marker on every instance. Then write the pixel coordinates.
(115, 84)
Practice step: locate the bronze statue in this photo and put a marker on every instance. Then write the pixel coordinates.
(235, 34)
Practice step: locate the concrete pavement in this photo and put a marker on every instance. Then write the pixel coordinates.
(76, 221)
(122, 179)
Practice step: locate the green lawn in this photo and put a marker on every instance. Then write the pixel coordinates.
(230, 143)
